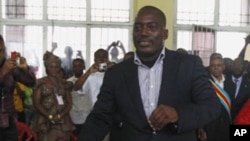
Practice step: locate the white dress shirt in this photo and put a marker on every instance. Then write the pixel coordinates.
(237, 82)
(92, 85)
(81, 105)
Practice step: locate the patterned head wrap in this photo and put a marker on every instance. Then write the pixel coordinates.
(49, 57)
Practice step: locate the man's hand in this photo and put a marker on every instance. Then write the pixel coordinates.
(22, 63)
(162, 116)
(9, 64)
(93, 68)
(201, 134)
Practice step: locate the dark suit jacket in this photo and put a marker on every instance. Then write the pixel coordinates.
(243, 94)
(185, 86)
(222, 123)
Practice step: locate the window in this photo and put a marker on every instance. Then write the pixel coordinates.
(233, 49)
(22, 9)
(32, 27)
(234, 13)
(74, 10)
(28, 41)
(223, 30)
(101, 37)
(195, 12)
(112, 10)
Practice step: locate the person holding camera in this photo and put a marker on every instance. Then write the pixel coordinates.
(91, 81)
(12, 69)
(81, 102)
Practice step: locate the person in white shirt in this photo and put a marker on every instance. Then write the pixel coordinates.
(81, 102)
(91, 81)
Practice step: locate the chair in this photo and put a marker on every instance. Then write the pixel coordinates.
(24, 132)
(72, 137)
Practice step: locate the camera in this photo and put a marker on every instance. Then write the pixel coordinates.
(15, 56)
(102, 66)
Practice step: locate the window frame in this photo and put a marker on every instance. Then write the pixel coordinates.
(88, 24)
(215, 26)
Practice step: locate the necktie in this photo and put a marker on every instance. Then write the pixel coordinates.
(236, 87)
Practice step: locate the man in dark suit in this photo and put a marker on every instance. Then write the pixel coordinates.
(216, 68)
(160, 94)
(238, 86)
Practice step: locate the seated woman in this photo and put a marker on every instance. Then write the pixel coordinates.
(52, 101)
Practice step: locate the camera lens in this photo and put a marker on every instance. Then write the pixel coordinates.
(102, 66)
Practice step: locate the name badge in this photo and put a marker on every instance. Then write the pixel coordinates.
(59, 100)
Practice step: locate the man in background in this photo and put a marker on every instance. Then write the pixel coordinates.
(11, 71)
(81, 102)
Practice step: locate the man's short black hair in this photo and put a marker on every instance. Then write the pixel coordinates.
(162, 15)
(216, 56)
(80, 60)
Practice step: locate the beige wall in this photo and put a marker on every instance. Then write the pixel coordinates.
(167, 6)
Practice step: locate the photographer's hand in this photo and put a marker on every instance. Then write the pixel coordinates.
(9, 64)
(22, 62)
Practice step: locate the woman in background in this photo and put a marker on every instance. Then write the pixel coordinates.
(52, 101)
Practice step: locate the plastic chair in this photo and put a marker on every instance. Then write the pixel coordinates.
(24, 132)
(72, 137)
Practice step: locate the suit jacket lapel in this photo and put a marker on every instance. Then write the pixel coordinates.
(242, 88)
(168, 76)
(229, 86)
(134, 89)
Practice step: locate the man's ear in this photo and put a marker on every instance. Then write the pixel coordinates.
(165, 34)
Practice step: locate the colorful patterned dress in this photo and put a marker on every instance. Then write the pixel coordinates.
(46, 130)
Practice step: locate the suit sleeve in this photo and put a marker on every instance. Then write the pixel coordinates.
(27, 77)
(204, 106)
(97, 124)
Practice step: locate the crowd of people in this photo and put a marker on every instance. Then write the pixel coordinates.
(153, 93)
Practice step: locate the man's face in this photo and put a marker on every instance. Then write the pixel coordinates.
(78, 67)
(149, 33)
(238, 67)
(216, 67)
(101, 60)
(101, 57)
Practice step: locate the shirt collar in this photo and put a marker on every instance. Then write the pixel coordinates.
(138, 62)
(234, 78)
(222, 80)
